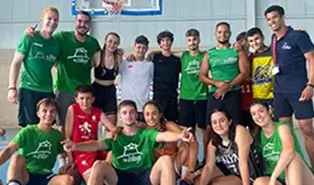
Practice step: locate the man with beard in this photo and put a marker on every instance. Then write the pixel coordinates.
(79, 52)
(229, 69)
(37, 55)
(293, 88)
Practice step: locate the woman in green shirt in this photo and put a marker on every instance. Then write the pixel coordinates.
(283, 158)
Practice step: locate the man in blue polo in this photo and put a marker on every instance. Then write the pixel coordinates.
(293, 85)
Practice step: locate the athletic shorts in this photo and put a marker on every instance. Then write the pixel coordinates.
(286, 104)
(192, 113)
(28, 99)
(85, 160)
(64, 100)
(231, 103)
(136, 176)
(40, 179)
(105, 98)
(169, 107)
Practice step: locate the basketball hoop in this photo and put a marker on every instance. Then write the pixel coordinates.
(113, 9)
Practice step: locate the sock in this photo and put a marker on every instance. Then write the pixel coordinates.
(184, 171)
(61, 161)
(14, 182)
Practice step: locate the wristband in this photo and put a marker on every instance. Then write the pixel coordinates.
(12, 88)
(310, 85)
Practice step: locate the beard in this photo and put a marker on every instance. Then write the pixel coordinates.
(193, 47)
(223, 42)
(84, 33)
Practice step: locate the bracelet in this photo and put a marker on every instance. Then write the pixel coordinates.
(310, 85)
(12, 88)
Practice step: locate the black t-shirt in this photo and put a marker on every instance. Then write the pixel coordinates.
(166, 76)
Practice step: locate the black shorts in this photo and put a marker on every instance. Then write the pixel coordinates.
(286, 104)
(192, 113)
(136, 176)
(28, 100)
(40, 179)
(169, 107)
(231, 103)
(105, 98)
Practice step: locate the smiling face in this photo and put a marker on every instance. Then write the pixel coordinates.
(165, 43)
(82, 24)
(112, 43)
(261, 115)
(223, 34)
(275, 21)
(193, 42)
(152, 115)
(128, 115)
(47, 113)
(50, 20)
(85, 100)
(256, 41)
(220, 123)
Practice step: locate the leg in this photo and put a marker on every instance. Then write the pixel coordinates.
(218, 178)
(283, 109)
(101, 172)
(304, 114)
(17, 170)
(200, 112)
(64, 100)
(232, 103)
(109, 100)
(61, 180)
(297, 172)
(263, 181)
(163, 168)
(27, 107)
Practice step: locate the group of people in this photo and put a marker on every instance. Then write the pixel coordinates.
(245, 115)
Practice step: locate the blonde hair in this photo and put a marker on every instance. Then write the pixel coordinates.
(49, 9)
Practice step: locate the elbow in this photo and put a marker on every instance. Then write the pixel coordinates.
(202, 78)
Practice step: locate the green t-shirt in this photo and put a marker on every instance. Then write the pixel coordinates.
(74, 61)
(40, 56)
(223, 64)
(39, 148)
(137, 151)
(191, 86)
(271, 148)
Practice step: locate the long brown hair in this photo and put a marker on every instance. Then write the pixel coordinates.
(215, 138)
(115, 53)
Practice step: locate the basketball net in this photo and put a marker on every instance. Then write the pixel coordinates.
(113, 9)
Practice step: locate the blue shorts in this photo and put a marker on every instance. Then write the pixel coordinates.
(28, 100)
(136, 176)
(231, 102)
(287, 104)
(40, 179)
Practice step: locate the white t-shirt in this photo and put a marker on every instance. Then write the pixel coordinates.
(135, 78)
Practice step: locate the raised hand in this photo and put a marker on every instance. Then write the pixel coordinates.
(187, 135)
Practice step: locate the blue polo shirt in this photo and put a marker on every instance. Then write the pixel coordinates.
(290, 50)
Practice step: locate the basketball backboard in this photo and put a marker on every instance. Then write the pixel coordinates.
(130, 7)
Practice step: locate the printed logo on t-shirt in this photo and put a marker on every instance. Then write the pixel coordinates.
(43, 150)
(286, 46)
(41, 56)
(130, 66)
(86, 130)
(229, 160)
(262, 75)
(131, 154)
(269, 153)
(221, 62)
(193, 67)
(80, 56)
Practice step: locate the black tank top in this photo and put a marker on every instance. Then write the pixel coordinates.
(103, 73)
(227, 159)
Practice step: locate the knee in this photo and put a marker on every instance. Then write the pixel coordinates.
(166, 161)
(98, 165)
(307, 128)
(68, 180)
(259, 181)
(17, 159)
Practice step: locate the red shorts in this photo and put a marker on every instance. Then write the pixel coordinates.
(85, 160)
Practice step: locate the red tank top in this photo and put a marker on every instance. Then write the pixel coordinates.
(246, 89)
(85, 127)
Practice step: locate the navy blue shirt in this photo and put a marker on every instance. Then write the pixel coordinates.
(166, 76)
(290, 50)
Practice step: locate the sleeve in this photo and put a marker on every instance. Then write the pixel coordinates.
(151, 71)
(20, 138)
(122, 66)
(24, 45)
(98, 48)
(109, 143)
(304, 42)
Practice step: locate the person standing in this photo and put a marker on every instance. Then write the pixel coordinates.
(37, 54)
(293, 86)
(229, 69)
